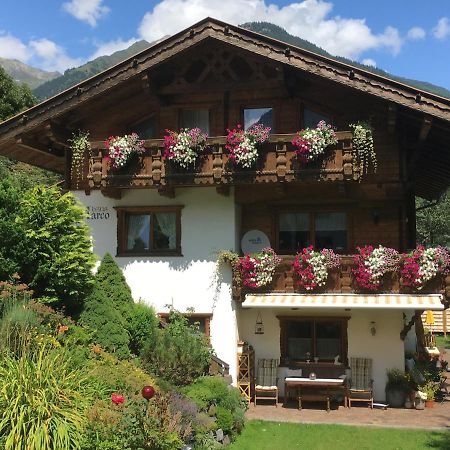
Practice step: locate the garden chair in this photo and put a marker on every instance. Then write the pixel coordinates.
(266, 387)
(360, 384)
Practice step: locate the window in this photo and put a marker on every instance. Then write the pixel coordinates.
(255, 116)
(322, 230)
(195, 118)
(149, 231)
(146, 129)
(201, 321)
(304, 339)
(312, 118)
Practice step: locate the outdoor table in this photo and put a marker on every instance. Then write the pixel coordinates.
(319, 383)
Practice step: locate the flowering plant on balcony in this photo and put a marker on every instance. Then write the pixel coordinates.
(122, 148)
(257, 269)
(184, 147)
(311, 267)
(424, 264)
(310, 143)
(243, 144)
(373, 263)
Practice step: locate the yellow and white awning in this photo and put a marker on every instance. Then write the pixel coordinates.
(353, 301)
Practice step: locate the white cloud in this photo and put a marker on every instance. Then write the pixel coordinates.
(416, 33)
(442, 29)
(369, 62)
(309, 19)
(89, 11)
(13, 48)
(108, 48)
(42, 53)
(51, 56)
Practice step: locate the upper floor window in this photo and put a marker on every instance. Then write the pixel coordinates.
(312, 118)
(195, 118)
(149, 231)
(255, 116)
(146, 129)
(297, 230)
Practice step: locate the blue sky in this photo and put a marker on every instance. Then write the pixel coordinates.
(407, 38)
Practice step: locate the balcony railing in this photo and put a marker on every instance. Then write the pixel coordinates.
(278, 163)
(339, 281)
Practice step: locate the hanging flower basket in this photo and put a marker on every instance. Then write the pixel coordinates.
(122, 148)
(311, 143)
(184, 147)
(311, 267)
(372, 264)
(423, 265)
(257, 270)
(242, 145)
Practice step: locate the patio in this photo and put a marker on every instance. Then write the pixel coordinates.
(429, 418)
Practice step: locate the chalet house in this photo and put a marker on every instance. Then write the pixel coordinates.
(166, 226)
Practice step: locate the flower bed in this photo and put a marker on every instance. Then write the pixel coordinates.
(372, 264)
(311, 267)
(122, 148)
(257, 270)
(243, 144)
(422, 265)
(310, 143)
(184, 147)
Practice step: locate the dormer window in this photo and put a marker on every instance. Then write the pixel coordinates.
(255, 116)
(195, 118)
(311, 118)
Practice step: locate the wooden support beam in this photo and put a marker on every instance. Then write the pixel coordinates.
(112, 193)
(25, 143)
(392, 117)
(425, 128)
(167, 191)
(57, 134)
(424, 131)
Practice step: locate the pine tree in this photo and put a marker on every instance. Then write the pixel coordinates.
(109, 307)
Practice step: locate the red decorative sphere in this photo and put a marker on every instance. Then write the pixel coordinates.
(148, 392)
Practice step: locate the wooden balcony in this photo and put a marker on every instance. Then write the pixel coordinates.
(277, 163)
(339, 281)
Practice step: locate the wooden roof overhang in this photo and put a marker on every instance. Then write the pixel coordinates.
(38, 136)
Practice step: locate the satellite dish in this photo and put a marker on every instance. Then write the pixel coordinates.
(254, 241)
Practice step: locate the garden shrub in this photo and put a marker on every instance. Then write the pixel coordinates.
(143, 327)
(180, 353)
(57, 259)
(214, 396)
(104, 311)
(44, 399)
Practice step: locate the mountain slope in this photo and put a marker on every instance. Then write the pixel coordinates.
(91, 68)
(23, 73)
(276, 32)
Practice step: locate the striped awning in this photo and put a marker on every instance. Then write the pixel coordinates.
(353, 301)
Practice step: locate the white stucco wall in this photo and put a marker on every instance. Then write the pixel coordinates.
(208, 225)
(385, 348)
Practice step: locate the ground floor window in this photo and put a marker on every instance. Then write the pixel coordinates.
(313, 338)
(201, 321)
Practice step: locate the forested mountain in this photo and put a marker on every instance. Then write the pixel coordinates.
(276, 32)
(91, 68)
(23, 73)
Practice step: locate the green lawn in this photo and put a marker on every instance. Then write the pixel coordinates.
(443, 342)
(259, 435)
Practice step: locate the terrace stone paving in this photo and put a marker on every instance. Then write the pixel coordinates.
(429, 418)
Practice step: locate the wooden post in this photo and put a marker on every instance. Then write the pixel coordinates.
(444, 322)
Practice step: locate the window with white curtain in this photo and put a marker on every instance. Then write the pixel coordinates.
(195, 118)
(293, 232)
(149, 230)
(331, 231)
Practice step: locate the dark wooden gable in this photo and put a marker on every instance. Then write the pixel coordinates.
(214, 56)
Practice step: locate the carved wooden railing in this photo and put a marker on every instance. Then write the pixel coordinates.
(278, 163)
(339, 281)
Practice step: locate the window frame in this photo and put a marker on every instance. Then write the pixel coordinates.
(317, 109)
(196, 108)
(312, 222)
(123, 211)
(285, 320)
(206, 316)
